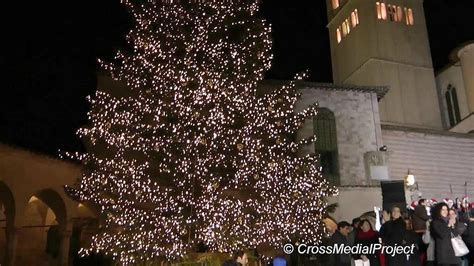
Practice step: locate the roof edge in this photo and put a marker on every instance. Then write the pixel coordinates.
(379, 90)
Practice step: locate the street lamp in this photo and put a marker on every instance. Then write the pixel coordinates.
(412, 185)
(410, 180)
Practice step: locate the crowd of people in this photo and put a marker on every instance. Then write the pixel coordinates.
(427, 225)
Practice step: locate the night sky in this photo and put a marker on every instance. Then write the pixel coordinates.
(49, 57)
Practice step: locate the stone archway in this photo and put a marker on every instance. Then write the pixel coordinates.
(39, 240)
(7, 216)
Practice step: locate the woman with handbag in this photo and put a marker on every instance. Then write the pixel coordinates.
(445, 228)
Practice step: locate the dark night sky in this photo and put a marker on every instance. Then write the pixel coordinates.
(50, 51)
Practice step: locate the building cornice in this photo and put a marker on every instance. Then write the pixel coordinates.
(427, 131)
(379, 90)
(22, 151)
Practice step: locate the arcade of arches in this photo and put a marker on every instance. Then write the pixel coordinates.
(39, 223)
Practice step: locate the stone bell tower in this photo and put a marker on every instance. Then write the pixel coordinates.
(385, 43)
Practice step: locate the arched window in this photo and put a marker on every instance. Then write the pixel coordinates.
(381, 10)
(326, 144)
(399, 14)
(335, 4)
(338, 35)
(354, 18)
(357, 16)
(452, 105)
(409, 16)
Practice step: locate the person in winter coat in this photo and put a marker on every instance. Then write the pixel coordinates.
(366, 236)
(453, 214)
(430, 251)
(340, 237)
(352, 234)
(411, 238)
(419, 219)
(392, 233)
(468, 236)
(420, 216)
(443, 228)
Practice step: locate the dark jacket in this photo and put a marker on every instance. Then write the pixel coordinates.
(367, 241)
(338, 238)
(419, 218)
(442, 234)
(393, 233)
(411, 238)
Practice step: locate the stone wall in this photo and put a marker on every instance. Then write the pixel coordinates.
(357, 126)
(441, 161)
(349, 208)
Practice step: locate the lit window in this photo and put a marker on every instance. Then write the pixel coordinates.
(335, 4)
(399, 14)
(406, 16)
(345, 28)
(354, 18)
(357, 16)
(381, 11)
(410, 20)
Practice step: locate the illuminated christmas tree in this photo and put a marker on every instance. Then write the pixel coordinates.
(191, 153)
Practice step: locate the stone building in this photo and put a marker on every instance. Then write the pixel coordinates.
(385, 93)
(423, 119)
(38, 221)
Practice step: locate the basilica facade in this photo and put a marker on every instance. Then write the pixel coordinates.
(386, 114)
(416, 121)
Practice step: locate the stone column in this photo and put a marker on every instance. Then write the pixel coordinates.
(65, 243)
(12, 242)
(466, 56)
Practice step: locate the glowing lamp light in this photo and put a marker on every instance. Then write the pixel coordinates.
(410, 179)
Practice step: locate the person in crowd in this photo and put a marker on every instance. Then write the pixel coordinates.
(352, 234)
(457, 204)
(392, 233)
(467, 214)
(341, 237)
(453, 214)
(326, 259)
(410, 238)
(444, 226)
(419, 219)
(450, 203)
(430, 251)
(366, 236)
(239, 259)
(464, 211)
